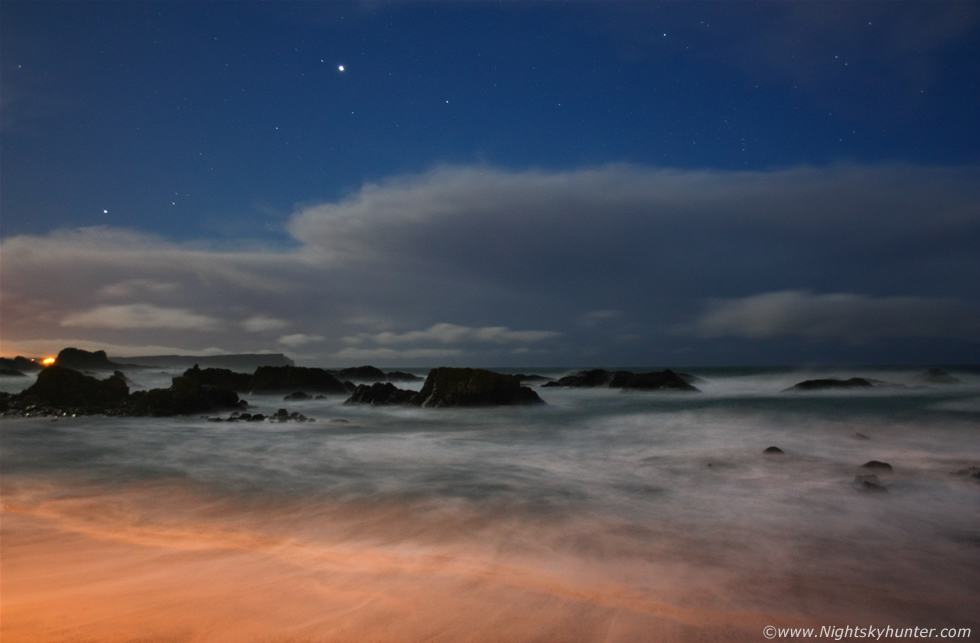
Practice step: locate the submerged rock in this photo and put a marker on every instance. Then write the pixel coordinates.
(830, 383)
(774, 451)
(297, 396)
(937, 376)
(869, 483)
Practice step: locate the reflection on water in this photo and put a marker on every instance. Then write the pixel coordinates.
(602, 516)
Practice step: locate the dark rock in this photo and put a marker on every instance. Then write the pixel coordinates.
(320, 397)
(64, 388)
(220, 378)
(81, 360)
(593, 378)
(876, 464)
(400, 376)
(654, 381)
(774, 451)
(9, 372)
(184, 397)
(21, 364)
(256, 417)
(450, 387)
(533, 378)
(937, 376)
(830, 384)
(362, 373)
(298, 395)
(380, 393)
(279, 379)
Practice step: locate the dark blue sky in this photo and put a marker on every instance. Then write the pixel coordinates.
(225, 128)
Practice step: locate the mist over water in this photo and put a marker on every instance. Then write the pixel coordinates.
(601, 516)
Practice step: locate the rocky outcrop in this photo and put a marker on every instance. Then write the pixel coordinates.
(451, 387)
(220, 378)
(184, 397)
(830, 384)
(284, 379)
(81, 360)
(64, 391)
(58, 387)
(380, 393)
(21, 364)
(472, 387)
(666, 380)
(592, 378)
(401, 376)
(361, 374)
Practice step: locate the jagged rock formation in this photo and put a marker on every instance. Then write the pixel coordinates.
(452, 387)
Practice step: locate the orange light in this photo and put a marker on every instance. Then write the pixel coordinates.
(48, 361)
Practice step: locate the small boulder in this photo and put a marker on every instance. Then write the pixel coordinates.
(830, 384)
(876, 464)
(774, 451)
(298, 395)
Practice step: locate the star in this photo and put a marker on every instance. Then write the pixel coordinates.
(340, 68)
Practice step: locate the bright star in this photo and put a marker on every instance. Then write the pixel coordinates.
(340, 68)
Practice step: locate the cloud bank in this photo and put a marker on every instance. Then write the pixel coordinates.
(476, 264)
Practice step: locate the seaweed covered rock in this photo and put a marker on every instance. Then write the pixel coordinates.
(59, 387)
(447, 386)
(380, 393)
(285, 379)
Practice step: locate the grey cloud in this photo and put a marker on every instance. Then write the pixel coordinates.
(497, 252)
(843, 316)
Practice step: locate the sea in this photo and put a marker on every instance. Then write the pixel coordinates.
(602, 515)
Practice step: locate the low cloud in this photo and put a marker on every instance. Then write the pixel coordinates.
(391, 355)
(299, 339)
(840, 316)
(131, 316)
(261, 323)
(456, 334)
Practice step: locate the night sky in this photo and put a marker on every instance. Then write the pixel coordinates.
(493, 183)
